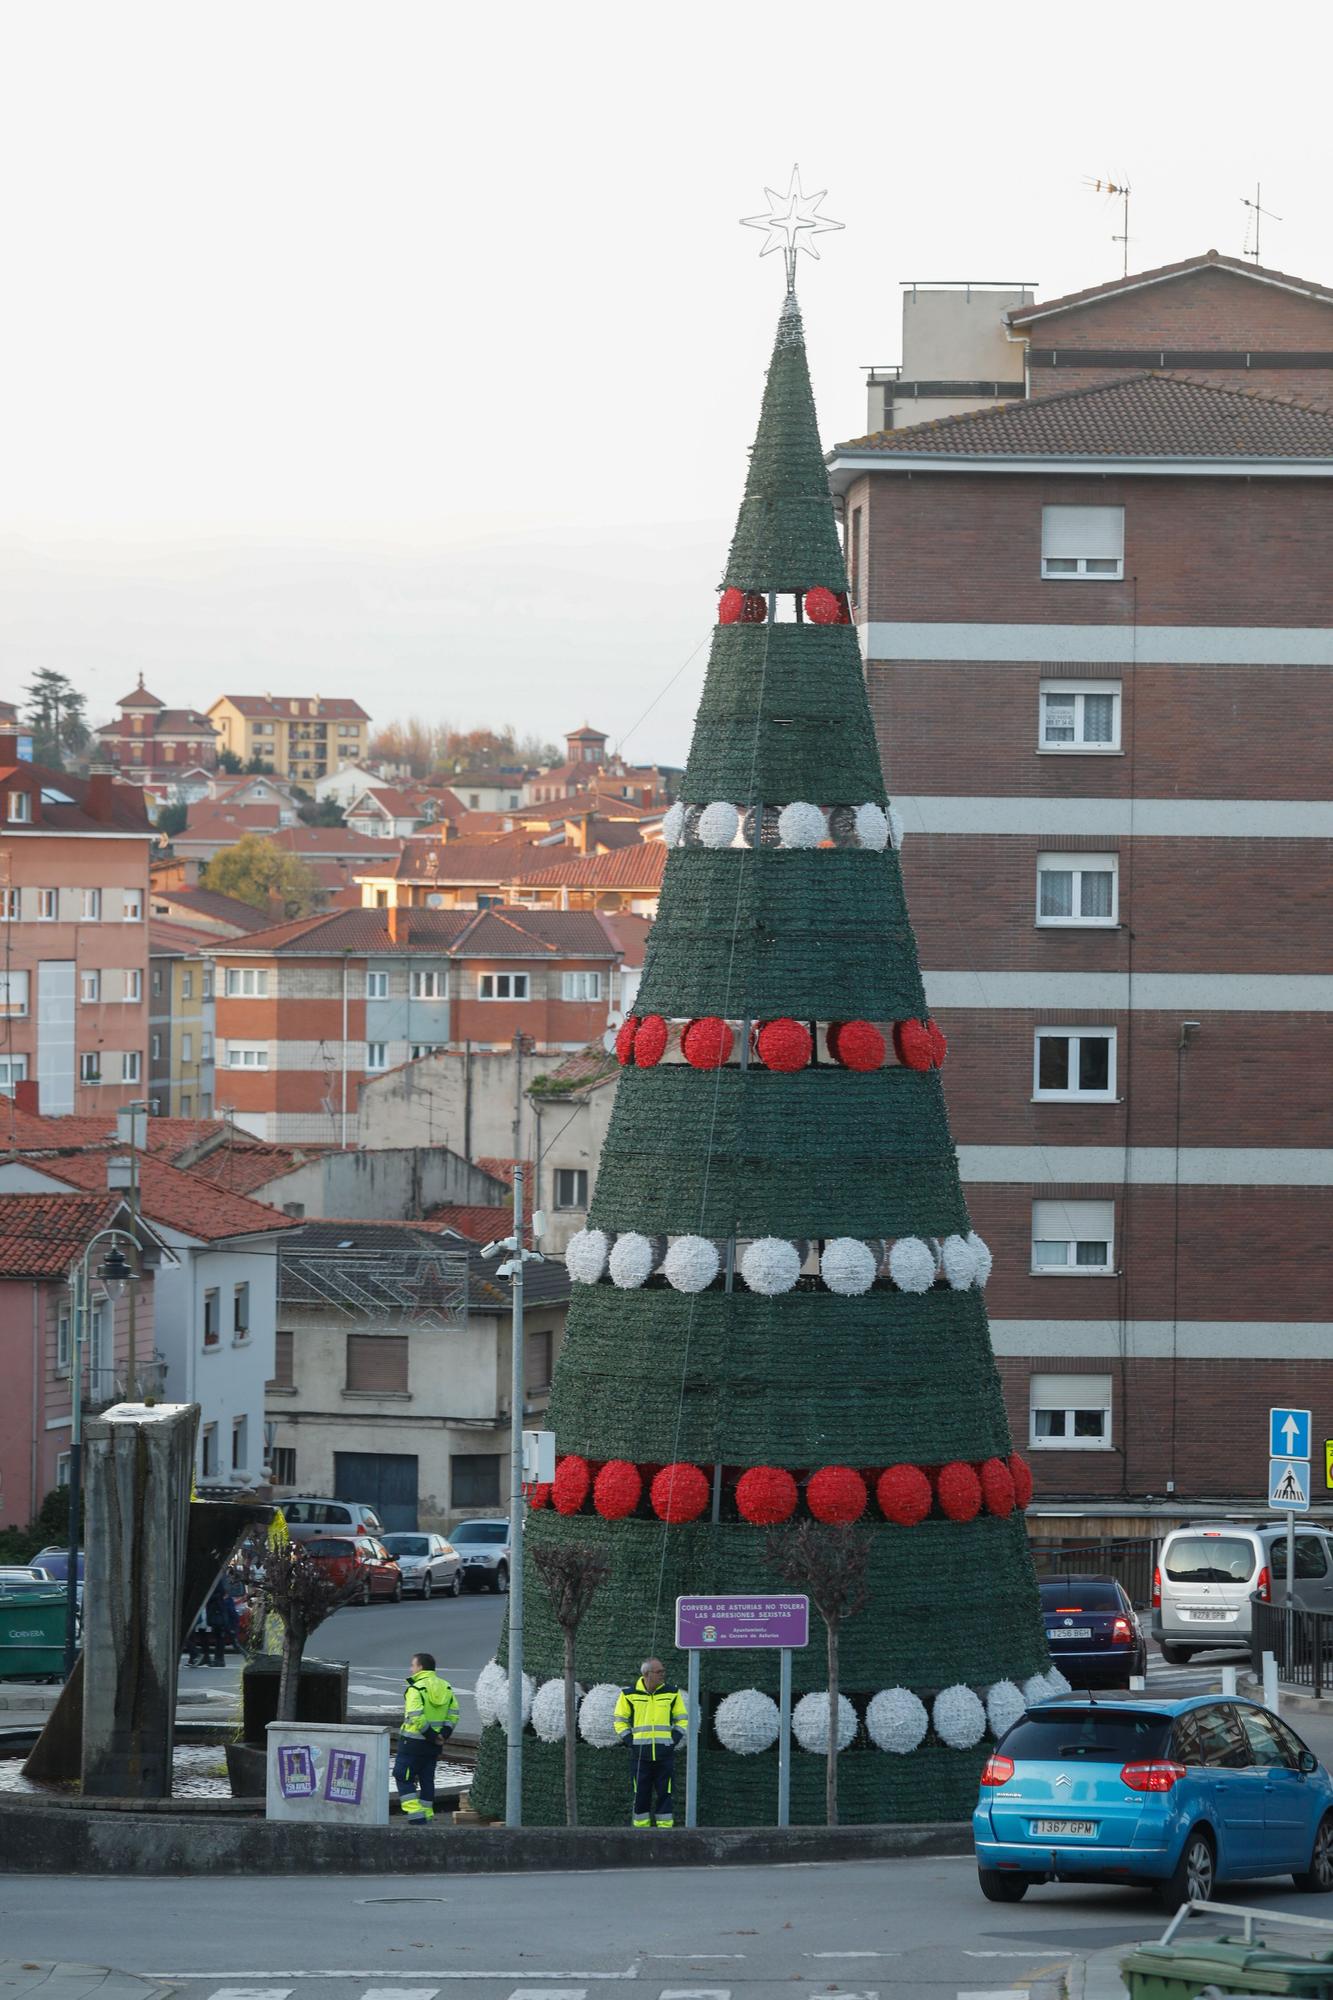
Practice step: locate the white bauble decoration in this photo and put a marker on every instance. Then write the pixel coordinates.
(959, 1717)
(984, 1260)
(959, 1262)
(848, 1266)
(597, 1715)
(548, 1710)
(801, 825)
(719, 824)
(872, 826)
(911, 1264)
(492, 1687)
(673, 824)
(896, 828)
(632, 1260)
(585, 1255)
(1056, 1684)
(809, 1722)
(771, 1265)
(897, 1720)
(747, 1722)
(1004, 1706)
(691, 1264)
(1035, 1690)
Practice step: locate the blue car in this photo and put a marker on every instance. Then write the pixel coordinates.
(1176, 1795)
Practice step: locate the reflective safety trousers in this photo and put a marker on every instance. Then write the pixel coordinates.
(652, 1722)
(429, 1703)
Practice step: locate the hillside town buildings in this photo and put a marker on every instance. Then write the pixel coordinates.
(301, 736)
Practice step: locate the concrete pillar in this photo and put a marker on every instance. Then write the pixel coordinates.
(138, 1461)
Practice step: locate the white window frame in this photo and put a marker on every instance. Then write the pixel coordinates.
(90, 1066)
(20, 809)
(1063, 567)
(13, 1069)
(240, 1443)
(205, 1046)
(246, 982)
(1073, 1224)
(90, 988)
(567, 1207)
(64, 1319)
(1063, 1395)
(1074, 1036)
(48, 906)
(488, 986)
(187, 1048)
(62, 1468)
(427, 983)
(11, 907)
(187, 986)
(156, 1049)
(14, 996)
(133, 985)
(420, 1049)
(91, 906)
(131, 1066)
(581, 986)
(1077, 692)
(377, 986)
(1079, 865)
(208, 1452)
(377, 1057)
(131, 909)
(247, 1055)
(240, 1313)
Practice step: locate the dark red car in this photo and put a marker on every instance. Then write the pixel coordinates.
(365, 1565)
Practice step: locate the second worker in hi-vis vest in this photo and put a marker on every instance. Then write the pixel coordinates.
(652, 1718)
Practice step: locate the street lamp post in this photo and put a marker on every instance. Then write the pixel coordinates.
(115, 1273)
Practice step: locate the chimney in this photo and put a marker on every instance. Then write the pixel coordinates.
(97, 799)
(391, 922)
(9, 748)
(27, 1096)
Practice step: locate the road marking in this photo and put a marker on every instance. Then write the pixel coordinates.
(400, 1993)
(251, 1993)
(849, 1954)
(549, 1993)
(382, 1972)
(992, 1992)
(695, 1993)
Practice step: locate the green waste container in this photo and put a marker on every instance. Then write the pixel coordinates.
(1183, 1971)
(32, 1632)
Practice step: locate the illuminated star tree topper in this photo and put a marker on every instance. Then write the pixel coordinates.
(791, 221)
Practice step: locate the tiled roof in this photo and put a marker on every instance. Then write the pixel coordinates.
(484, 862)
(479, 1225)
(242, 1169)
(398, 804)
(211, 903)
(42, 1235)
(335, 841)
(516, 933)
(65, 810)
(139, 697)
(168, 940)
(630, 932)
(171, 1197)
(210, 819)
(337, 708)
(355, 931)
(543, 1284)
(638, 867)
(1141, 416)
(1210, 260)
(585, 1068)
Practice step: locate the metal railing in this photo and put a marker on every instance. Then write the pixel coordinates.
(1129, 1561)
(1300, 1641)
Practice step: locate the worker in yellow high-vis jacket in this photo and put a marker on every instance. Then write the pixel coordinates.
(430, 1716)
(652, 1719)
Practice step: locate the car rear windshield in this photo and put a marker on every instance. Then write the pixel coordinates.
(309, 1513)
(319, 1549)
(1209, 1559)
(407, 1545)
(481, 1531)
(1096, 1593)
(1104, 1735)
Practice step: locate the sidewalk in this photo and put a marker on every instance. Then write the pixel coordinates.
(49, 1979)
(1097, 1977)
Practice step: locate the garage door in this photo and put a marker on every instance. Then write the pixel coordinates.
(384, 1480)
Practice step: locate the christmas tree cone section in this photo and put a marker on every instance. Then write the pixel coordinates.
(786, 702)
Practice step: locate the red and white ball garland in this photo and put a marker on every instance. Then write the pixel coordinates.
(768, 1495)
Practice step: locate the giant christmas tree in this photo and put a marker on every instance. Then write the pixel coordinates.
(778, 1305)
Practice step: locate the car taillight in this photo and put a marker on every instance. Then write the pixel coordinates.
(361, 1528)
(1157, 1589)
(1120, 1631)
(999, 1770)
(1263, 1590)
(1151, 1777)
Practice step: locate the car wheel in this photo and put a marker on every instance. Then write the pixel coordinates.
(398, 1591)
(998, 1886)
(427, 1587)
(1194, 1876)
(456, 1584)
(1177, 1656)
(1317, 1879)
(501, 1584)
(364, 1598)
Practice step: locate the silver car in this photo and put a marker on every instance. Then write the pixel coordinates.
(428, 1563)
(1208, 1573)
(484, 1547)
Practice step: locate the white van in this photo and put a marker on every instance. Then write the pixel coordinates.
(1208, 1572)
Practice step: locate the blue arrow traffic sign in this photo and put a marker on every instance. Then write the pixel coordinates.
(1288, 1434)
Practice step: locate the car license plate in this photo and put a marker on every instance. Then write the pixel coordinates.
(1209, 1614)
(1073, 1632)
(1063, 1829)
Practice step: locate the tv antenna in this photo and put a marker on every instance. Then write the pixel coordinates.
(1253, 220)
(1114, 190)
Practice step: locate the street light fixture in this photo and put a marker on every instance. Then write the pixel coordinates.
(115, 1273)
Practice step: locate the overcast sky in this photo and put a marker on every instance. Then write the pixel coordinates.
(411, 350)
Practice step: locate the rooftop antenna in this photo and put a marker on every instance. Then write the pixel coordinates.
(1252, 221)
(1112, 189)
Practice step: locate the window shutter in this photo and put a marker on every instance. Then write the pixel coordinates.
(1090, 1220)
(537, 1360)
(377, 1363)
(1097, 532)
(1070, 1392)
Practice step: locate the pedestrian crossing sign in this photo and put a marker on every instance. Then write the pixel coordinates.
(1289, 1484)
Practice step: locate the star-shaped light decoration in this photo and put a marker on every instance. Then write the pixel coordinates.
(791, 221)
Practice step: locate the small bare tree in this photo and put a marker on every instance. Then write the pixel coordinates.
(572, 1576)
(829, 1565)
(301, 1593)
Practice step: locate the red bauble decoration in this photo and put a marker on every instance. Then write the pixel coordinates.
(616, 1489)
(730, 605)
(784, 1044)
(573, 1477)
(1021, 1474)
(766, 1495)
(754, 611)
(821, 606)
(540, 1494)
(650, 1041)
(997, 1487)
(904, 1495)
(939, 1047)
(836, 1494)
(679, 1493)
(912, 1045)
(856, 1044)
(959, 1491)
(707, 1042)
(629, 1028)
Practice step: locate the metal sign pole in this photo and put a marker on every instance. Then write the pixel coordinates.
(1291, 1585)
(692, 1745)
(514, 1744)
(784, 1736)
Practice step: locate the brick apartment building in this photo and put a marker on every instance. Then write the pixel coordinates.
(304, 737)
(1096, 623)
(309, 1011)
(150, 741)
(73, 936)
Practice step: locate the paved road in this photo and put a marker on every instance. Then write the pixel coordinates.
(905, 1930)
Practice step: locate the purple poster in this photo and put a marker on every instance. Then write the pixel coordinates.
(296, 1771)
(346, 1775)
(708, 1624)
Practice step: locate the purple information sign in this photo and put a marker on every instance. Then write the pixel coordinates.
(708, 1624)
(296, 1771)
(346, 1775)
